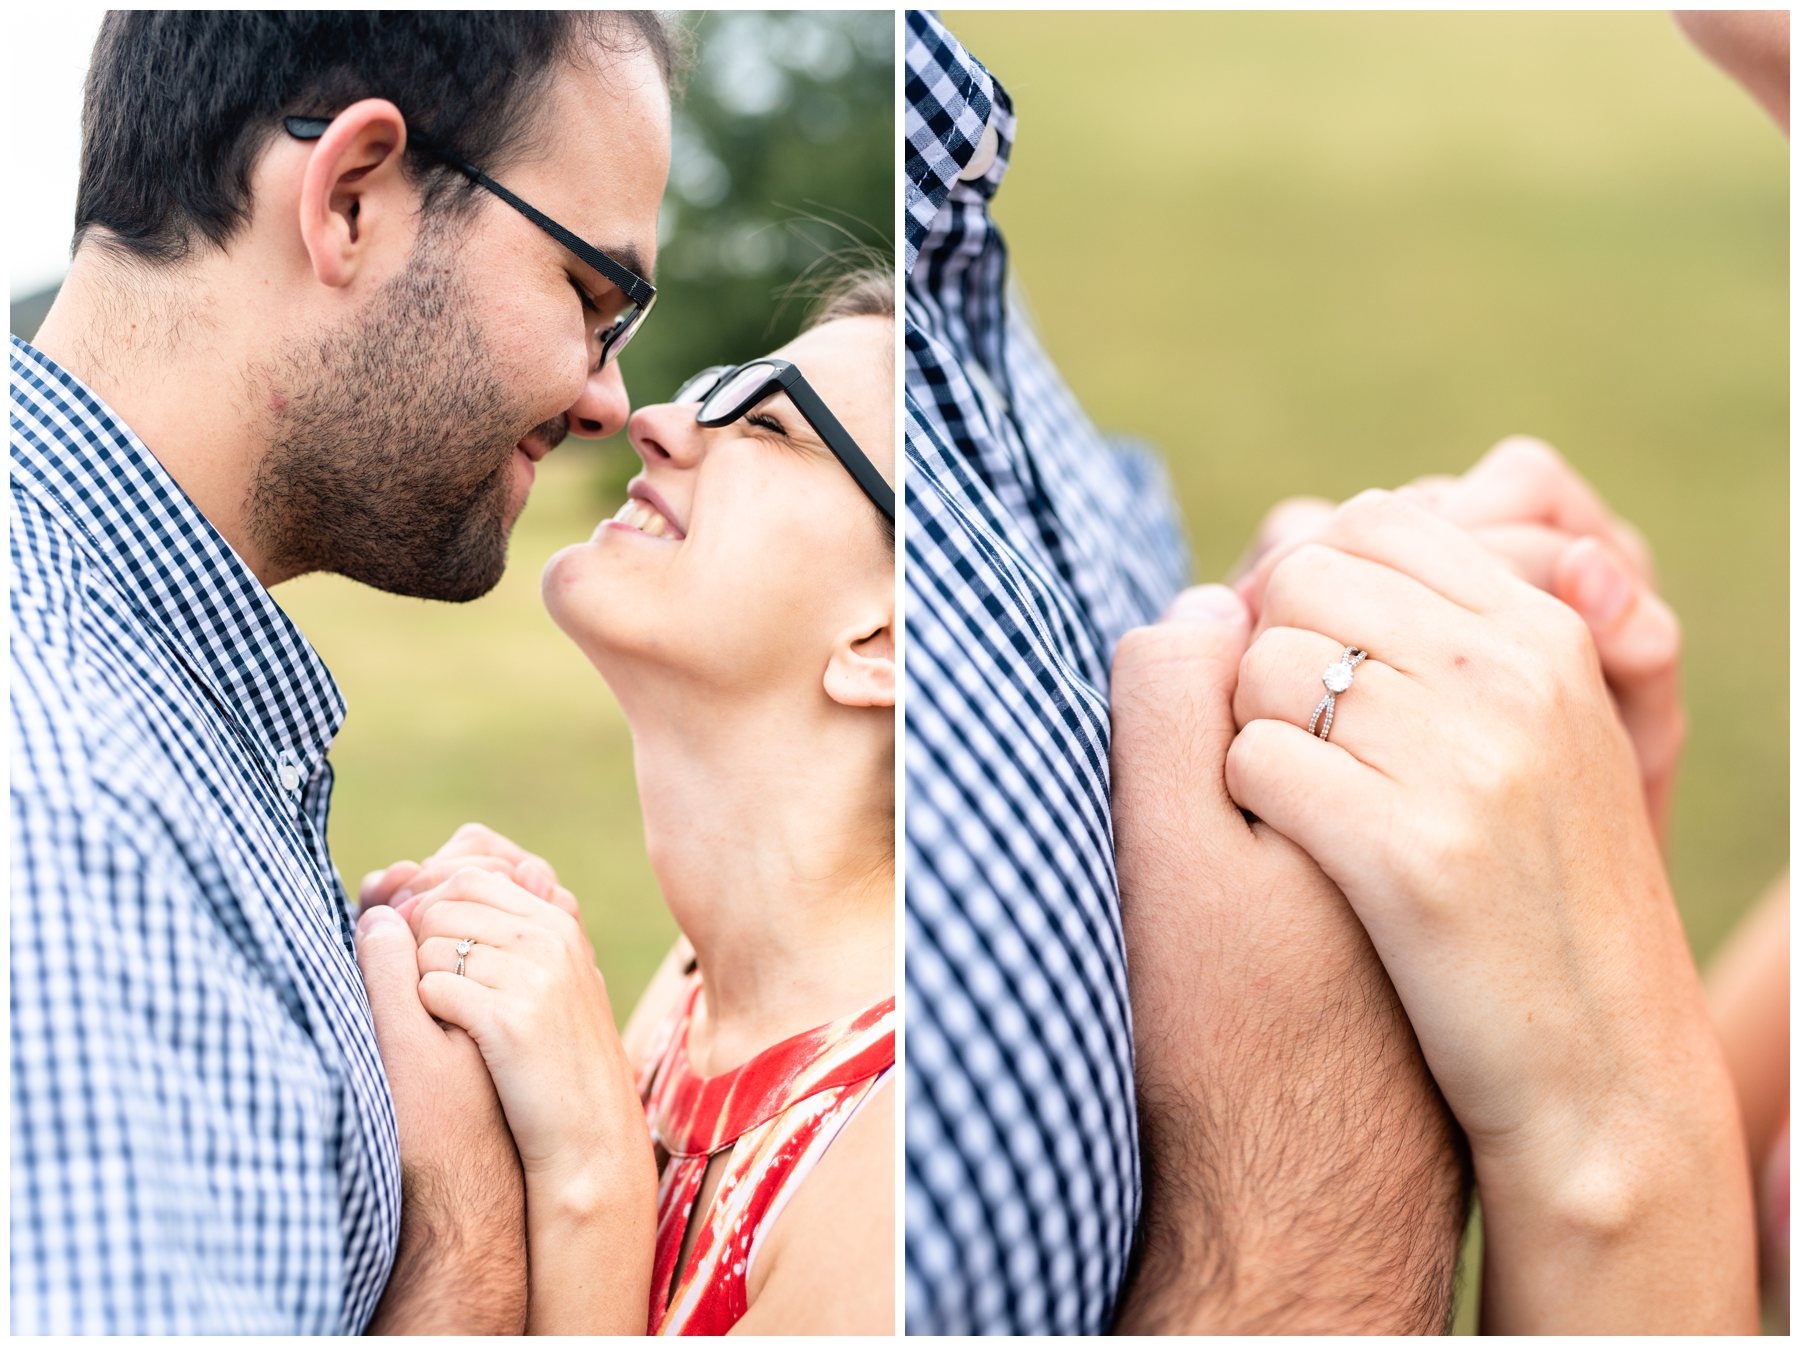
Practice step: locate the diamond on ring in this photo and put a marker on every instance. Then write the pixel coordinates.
(1337, 679)
(462, 954)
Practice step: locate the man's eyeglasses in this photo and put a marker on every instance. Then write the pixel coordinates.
(640, 294)
(726, 393)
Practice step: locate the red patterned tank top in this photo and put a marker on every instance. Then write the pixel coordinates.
(776, 1113)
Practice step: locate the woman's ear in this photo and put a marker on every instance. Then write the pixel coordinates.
(861, 669)
(353, 187)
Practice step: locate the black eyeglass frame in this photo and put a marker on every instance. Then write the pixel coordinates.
(634, 287)
(785, 377)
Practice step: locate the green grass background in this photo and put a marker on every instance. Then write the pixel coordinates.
(1307, 253)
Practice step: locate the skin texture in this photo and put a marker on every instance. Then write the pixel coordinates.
(1747, 987)
(1518, 903)
(754, 659)
(1749, 45)
(343, 387)
(1300, 1171)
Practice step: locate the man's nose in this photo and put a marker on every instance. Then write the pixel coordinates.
(604, 405)
(667, 433)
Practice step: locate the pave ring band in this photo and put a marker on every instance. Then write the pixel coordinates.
(462, 954)
(1337, 679)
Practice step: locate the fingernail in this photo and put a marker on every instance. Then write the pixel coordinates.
(376, 916)
(1207, 603)
(1601, 591)
(401, 895)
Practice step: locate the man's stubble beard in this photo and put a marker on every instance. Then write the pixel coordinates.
(390, 444)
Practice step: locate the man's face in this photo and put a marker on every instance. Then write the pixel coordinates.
(403, 443)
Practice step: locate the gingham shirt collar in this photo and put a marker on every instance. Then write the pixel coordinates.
(184, 578)
(951, 101)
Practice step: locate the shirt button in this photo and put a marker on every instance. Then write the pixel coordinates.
(288, 769)
(985, 154)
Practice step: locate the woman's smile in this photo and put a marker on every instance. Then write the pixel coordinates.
(646, 512)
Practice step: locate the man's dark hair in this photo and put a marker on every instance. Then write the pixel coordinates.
(180, 104)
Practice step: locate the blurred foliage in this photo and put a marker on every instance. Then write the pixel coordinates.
(1318, 252)
(783, 154)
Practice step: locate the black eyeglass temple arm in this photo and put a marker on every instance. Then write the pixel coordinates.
(635, 288)
(839, 441)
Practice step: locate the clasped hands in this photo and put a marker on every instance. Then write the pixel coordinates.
(508, 1077)
(1472, 862)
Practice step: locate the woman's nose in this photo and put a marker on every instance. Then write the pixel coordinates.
(666, 433)
(603, 406)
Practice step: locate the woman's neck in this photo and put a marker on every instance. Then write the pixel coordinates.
(770, 831)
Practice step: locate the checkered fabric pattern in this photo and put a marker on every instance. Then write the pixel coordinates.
(202, 1137)
(1032, 545)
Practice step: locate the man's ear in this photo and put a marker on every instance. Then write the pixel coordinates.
(861, 669)
(351, 189)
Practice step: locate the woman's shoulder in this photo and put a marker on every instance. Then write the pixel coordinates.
(837, 1231)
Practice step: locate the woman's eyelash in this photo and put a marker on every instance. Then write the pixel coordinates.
(763, 422)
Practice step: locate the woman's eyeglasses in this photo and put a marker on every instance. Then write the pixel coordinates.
(639, 293)
(726, 393)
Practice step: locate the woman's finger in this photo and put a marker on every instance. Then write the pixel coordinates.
(477, 839)
(459, 1001)
(1358, 602)
(489, 964)
(1638, 639)
(1281, 678)
(1314, 793)
(1524, 480)
(1288, 524)
(479, 885)
(456, 918)
(1380, 527)
(435, 872)
(1529, 550)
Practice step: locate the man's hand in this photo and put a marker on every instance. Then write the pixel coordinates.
(461, 1262)
(1300, 1171)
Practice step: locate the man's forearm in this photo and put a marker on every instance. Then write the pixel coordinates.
(445, 1282)
(1301, 1172)
(1326, 1229)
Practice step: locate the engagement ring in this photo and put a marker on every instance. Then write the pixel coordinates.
(1337, 678)
(462, 953)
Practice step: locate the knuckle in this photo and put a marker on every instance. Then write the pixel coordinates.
(1143, 650)
(1528, 456)
(1366, 510)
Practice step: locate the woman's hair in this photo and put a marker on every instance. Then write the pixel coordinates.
(862, 290)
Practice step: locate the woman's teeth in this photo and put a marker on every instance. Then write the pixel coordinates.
(634, 513)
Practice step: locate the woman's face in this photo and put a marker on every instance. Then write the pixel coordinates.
(745, 555)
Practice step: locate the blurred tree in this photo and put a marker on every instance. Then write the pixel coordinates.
(783, 154)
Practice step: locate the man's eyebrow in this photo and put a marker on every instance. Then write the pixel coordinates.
(628, 256)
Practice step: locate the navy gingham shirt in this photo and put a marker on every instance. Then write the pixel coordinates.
(1032, 545)
(202, 1136)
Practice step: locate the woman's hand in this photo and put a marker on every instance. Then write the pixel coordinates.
(532, 999)
(534, 1002)
(471, 846)
(1479, 805)
(1531, 510)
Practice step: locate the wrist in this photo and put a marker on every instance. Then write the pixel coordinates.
(597, 1183)
(1610, 1172)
